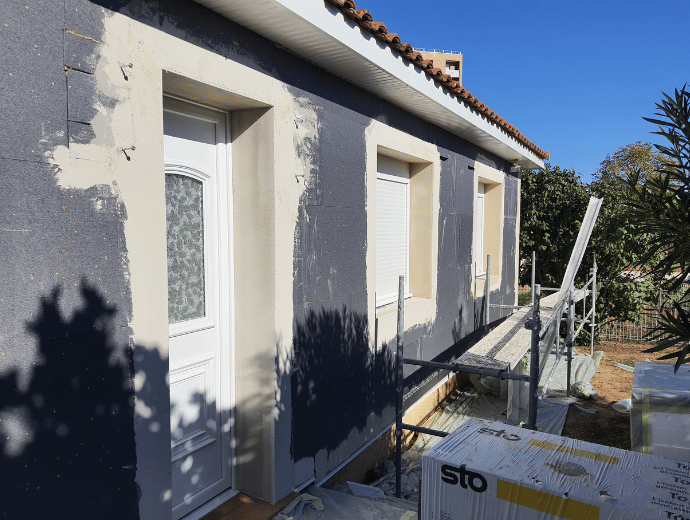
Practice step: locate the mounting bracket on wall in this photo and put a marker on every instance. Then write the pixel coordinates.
(122, 68)
(124, 151)
(515, 168)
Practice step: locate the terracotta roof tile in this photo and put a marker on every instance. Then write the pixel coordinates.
(363, 14)
(366, 22)
(405, 49)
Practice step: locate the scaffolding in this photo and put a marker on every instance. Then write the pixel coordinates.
(534, 328)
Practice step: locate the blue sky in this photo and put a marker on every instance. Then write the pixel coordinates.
(575, 77)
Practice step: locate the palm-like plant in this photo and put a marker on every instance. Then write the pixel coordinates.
(660, 206)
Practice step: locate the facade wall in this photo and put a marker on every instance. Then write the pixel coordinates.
(83, 291)
(66, 371)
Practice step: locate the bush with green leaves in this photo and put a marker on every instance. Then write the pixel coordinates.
(553, 203)
(619, 243)
(659, 206)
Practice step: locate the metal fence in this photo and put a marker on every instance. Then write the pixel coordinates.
(629, 331)
(621, 330)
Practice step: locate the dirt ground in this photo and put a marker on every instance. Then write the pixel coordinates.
(607, 426)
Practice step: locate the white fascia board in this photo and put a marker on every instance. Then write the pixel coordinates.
(321, 34)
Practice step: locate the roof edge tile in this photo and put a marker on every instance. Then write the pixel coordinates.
(366, 22)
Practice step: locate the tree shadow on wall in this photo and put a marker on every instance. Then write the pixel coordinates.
(337, 381)
(469, 328)
(68, 435)
(461, 327)
(480, 328)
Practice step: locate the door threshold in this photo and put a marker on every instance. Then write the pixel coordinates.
(242, 506)
(212, 504)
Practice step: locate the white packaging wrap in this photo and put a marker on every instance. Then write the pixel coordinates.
(490, 471)
(660, 410)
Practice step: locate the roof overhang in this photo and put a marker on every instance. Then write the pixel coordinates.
(321, 34)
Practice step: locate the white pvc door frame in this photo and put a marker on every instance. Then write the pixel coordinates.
(223, 288)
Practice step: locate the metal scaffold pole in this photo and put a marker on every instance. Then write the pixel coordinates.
(534, 270)
(594, 305)
(475, 294)
(570, 337)
(400, 386)
(534, 360)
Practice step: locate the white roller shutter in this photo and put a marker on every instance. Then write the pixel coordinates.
(392, 228)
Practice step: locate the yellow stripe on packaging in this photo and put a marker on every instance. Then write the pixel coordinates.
(559, 448)
(646, 426)
(645, 409)
(546, 502)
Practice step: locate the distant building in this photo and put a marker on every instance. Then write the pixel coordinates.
(448, 61)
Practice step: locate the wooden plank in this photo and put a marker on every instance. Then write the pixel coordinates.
(505, 345)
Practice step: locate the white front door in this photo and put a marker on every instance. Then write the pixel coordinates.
(199, 302)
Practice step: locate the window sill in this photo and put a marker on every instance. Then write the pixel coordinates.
(392, 300)
(417, 312)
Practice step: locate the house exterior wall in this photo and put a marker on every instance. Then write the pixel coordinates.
(83, 291)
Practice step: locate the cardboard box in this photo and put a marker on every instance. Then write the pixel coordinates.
(660, 410)
(492, 471)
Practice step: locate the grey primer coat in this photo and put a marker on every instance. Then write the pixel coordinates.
(68, 353)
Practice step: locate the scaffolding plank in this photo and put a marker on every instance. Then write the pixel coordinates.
(505, 345)
(509, 342)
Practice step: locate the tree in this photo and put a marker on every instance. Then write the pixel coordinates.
(626, 160)
(552, 204)
(617, 241)
(659, 206)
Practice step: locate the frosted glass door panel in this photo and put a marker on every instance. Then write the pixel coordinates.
(185, 232)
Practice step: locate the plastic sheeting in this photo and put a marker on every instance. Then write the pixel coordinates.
(491, 401)
(553, 407)
(583, 368)
(488, 470)
(467, 406)
(550, 417)
(411, 477)
(320, 503)
(660, 410)
(622, 406)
